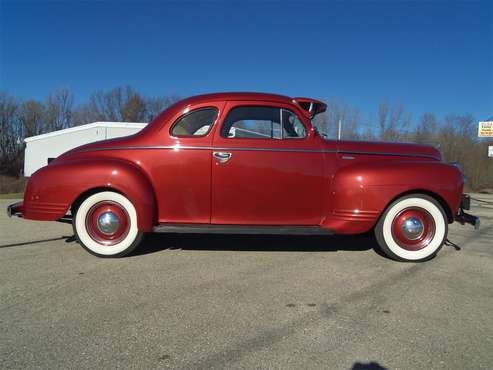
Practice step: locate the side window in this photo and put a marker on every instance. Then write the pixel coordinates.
(253, 122)
(262, 123)
(292, 126)
(195, 123)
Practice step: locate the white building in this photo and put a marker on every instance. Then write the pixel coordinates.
(40, 148)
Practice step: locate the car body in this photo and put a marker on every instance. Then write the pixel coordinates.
(243, 163)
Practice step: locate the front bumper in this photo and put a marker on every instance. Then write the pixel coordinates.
(15, 209)
(465, 218)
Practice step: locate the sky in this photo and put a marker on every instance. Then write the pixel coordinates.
(431, 56)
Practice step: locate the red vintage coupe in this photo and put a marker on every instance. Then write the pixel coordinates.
(248, 163)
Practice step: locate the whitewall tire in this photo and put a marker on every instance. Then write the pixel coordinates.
(105, 224)
(413, 228)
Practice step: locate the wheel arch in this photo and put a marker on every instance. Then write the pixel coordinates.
(434, 195)
(132, 184)
(361, 192)
(59, 187)
(87, 193)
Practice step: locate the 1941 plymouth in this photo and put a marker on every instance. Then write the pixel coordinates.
(248, 163)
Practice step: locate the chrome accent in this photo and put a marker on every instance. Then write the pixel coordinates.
(413, 228)
(222, 157)
(11, 210)
(178, 147)
(386, 154)
(347, 157)
(276, 150)
(108, 223)
(281, 124)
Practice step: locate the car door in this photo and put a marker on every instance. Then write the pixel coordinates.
(182, 168)
(267, 167)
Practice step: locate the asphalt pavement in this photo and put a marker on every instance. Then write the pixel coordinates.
(243, 302)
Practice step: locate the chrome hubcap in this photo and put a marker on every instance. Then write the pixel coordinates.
(108, 223)
(413, 228)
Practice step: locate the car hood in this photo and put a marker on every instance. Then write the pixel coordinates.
(390, 149)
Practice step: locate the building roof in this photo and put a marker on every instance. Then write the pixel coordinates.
(85, 127)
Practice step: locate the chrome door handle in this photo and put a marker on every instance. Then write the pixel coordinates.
(222, 157)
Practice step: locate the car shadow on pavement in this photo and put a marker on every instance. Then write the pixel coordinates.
(368, 366)
(214, 242)
(68, 239)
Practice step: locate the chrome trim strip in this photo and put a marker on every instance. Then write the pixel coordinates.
(385, 153)
(278, 150)
(176, 147)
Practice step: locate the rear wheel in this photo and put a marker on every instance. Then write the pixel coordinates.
(106, 225)
(413, 228)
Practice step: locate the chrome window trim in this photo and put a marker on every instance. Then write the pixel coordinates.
(281, 123)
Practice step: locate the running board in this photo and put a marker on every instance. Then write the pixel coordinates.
(241, 229)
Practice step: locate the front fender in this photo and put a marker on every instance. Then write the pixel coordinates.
(52, 190)
(362, 191)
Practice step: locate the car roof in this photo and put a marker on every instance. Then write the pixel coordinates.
(225, 96)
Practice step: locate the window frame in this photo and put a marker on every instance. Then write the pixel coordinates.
(282, 126)
(280, 108)
(208, 107)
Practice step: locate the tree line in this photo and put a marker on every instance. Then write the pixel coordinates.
(24, 118)
(455, 135)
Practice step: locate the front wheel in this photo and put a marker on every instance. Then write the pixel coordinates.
(105, 224)
(412, 229)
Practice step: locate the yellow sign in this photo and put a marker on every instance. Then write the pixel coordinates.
(485, 129)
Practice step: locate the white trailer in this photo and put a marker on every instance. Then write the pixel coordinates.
(40, 148)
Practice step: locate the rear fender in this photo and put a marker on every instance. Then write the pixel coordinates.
(52, 190)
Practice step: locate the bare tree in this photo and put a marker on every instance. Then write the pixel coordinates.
(157, 104)
(134, 110)
(393, 121)
(122, 104)
(426, 130)
(328, 122)
(32, 114)
(84, 114)
(10, 135)
(59, 110)
(119, 104)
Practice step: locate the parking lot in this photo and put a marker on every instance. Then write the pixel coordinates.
(200, 302)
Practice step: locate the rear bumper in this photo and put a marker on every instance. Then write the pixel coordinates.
(465, 218)
(16, 209)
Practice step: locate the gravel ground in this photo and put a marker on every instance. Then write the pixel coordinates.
(236, 302)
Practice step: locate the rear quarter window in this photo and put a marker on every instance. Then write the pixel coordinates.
(195, 123)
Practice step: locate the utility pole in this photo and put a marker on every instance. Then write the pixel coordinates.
(339, 131)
